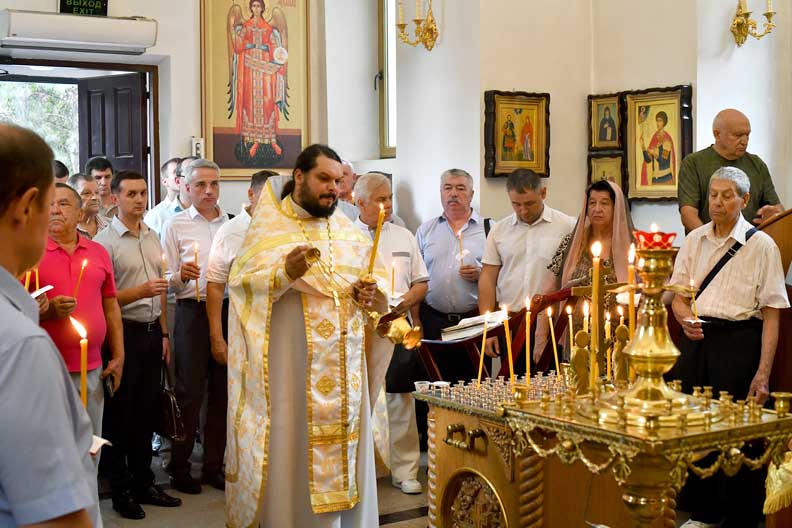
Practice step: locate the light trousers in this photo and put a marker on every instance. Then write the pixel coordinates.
(403, 436)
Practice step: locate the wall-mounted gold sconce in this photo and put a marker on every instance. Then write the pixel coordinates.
(743, 25)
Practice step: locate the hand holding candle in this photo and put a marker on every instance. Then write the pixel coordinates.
(83, 360)
(79, 278)
(693, 299)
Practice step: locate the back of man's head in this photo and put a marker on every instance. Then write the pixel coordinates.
(59, 170)
(522, 180)
(258, 179)
(26, 162)
(165, 166)
(99, 164)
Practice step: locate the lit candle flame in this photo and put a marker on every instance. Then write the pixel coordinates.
(84, 263)
(692, 283)
(504, 309)
(528, 304)
(382, 207)
(631, 254)
(607, 316)
(569, 310)
(596, 249)
(80, 329)
(653, 228)
(585, 309)
(641, 263)
(620, 310)
(549, 311)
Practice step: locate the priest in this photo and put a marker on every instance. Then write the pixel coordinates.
(303, 360)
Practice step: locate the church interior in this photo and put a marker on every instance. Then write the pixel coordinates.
(414, 107)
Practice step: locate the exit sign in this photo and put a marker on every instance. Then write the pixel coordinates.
(84, 7)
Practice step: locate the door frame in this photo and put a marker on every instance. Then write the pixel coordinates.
(152, 72)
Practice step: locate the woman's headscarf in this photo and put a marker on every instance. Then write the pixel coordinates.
(621, 238)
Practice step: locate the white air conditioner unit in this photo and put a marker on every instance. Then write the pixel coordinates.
(63, 32)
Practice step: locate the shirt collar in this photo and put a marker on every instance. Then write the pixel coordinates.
(737, 233)
(546, 216)
(193, 212)
(53, 245)
(474, 217)
(122, 229)
(17, 296)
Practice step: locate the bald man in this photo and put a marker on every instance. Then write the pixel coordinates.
(731, 129)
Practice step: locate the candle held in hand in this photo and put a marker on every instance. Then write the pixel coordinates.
(481, 352)
(528, 341)
(80, 329)
(377, 234)
(164, 265)
(693, 299)
(508, 343)
(393, 278)
(79, 278)
(552, 336)
(37, 279)
(195, 261)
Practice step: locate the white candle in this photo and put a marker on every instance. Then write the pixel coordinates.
(83, 360)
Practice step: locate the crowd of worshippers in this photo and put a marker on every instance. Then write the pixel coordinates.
(150, 287)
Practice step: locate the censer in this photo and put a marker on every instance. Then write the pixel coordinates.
(395, 327)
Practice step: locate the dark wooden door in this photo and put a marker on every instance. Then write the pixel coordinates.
(113, 124)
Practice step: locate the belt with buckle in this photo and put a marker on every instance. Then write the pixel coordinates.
(150, 327)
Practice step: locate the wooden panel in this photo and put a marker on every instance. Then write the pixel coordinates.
(96, 123)
(123, 122)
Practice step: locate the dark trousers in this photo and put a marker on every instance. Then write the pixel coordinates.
(198, 374)
(130, 414)
(726, 359)
(453, 361)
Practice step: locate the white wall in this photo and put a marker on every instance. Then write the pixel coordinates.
(438, 109)
(540, 46)
(637, 48)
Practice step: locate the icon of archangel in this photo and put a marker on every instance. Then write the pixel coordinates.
(258, 88)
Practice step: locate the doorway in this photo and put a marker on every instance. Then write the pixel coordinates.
(88, 109)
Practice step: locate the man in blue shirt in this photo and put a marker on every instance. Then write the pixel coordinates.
(47, 476)
(452, 245)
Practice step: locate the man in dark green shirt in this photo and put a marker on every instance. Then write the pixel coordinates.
(731, 129)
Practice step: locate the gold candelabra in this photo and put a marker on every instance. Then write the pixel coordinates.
(744, 26)
(426, 31)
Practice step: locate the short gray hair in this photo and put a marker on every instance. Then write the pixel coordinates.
(735, 175)
(348, 164)
(456, 173)
(367, 183)
(189, 171)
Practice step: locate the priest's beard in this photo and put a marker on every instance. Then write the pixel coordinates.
(310, 202)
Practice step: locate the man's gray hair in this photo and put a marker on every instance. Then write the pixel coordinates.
(456, 173)
(367, 183)
(733, 174)
(348, 164)
(189, 171)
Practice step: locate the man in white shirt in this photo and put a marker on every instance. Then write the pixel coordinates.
(175, 201)
(225, 249)
(519, 249)
(409, 282)
(731, 344)
(187, 239)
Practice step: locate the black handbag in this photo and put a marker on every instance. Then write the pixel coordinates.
(171, 424)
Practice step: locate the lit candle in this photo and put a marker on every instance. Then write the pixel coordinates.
(693, 299)
(195, 259)
(377, 233)
(596, 250)
(481, 352)
(401, 12)
(653, 228)
(571, 327)
(621, 315)
(585, 316)
(552, 336)
(79, 278)
(631, 294)
(508, 343)
(607, 353)
(164, 264)
(27, 280)
(459, 236)
(37, 279)
(528, 341)
(83, 360)
(393, 278)
(607, 325)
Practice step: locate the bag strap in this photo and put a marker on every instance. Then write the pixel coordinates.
(487, 226)
(723, 260)
(166, 379)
